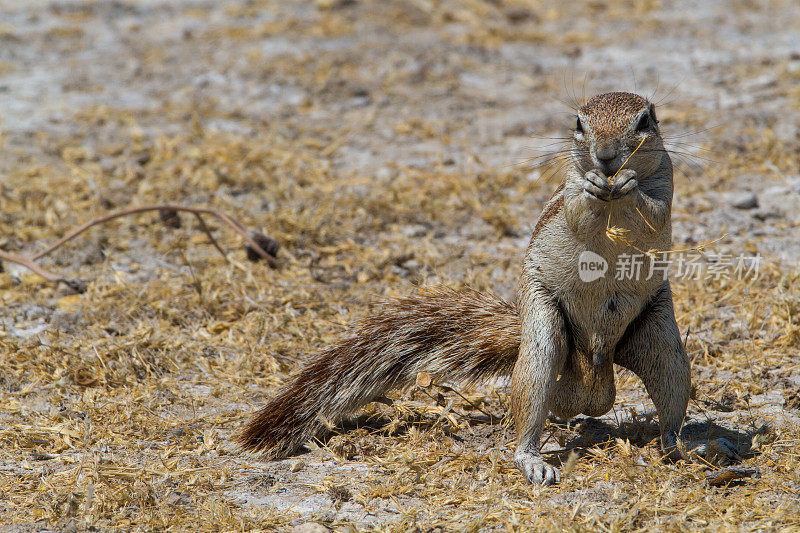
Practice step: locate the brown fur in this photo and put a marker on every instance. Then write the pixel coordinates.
(553, 207)
(611, 113)
(453, 334)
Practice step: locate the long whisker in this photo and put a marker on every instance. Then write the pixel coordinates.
(554, 168)
(693, 132)
(548, 137)
(543, 160)
(583, 87)
(687, 144)
(680, 153)
(559, 142)
(570, 91)
(671, 90)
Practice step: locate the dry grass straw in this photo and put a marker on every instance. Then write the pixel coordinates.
(617, 234)
(119, 415)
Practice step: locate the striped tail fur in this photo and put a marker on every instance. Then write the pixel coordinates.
(454, 335)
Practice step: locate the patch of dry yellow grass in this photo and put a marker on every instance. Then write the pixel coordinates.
(121, 418)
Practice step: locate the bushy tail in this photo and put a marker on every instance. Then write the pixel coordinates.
(454, 335)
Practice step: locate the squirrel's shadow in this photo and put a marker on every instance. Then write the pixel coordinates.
(388, 426)
(594, 432)
(591, 432)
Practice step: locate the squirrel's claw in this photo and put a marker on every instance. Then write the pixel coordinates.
(596, 185)
(535, 470)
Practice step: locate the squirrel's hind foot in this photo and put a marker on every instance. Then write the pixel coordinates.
(535, 470)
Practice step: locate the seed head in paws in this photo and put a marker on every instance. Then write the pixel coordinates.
(625, 185)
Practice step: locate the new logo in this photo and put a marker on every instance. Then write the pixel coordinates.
(591, 266)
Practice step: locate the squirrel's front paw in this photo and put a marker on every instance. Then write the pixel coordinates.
(596, 186)
(535, 470)
(625, 184)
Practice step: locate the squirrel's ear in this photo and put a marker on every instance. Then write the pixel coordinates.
(652, 111)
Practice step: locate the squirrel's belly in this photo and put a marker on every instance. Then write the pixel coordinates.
(597, 320)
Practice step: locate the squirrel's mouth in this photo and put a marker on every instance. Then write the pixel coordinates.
(608, 168)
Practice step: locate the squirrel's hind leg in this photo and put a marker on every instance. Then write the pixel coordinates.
(543, 351)
(653, 350)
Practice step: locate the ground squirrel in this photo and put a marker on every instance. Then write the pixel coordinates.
(559, 342)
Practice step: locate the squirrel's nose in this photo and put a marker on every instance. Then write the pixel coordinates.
(606, 154)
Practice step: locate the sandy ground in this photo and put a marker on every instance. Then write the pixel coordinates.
(384, 144)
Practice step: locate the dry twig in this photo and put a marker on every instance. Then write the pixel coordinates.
(74, 284)
(234, 224)
(253, 240)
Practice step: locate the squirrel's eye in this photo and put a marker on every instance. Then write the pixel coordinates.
(579, 126)
(644, 123)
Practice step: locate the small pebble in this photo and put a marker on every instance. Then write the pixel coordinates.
(744, 200)
(723, 477)
(268, 244)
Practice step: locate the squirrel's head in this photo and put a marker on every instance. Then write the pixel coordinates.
(610, 127)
